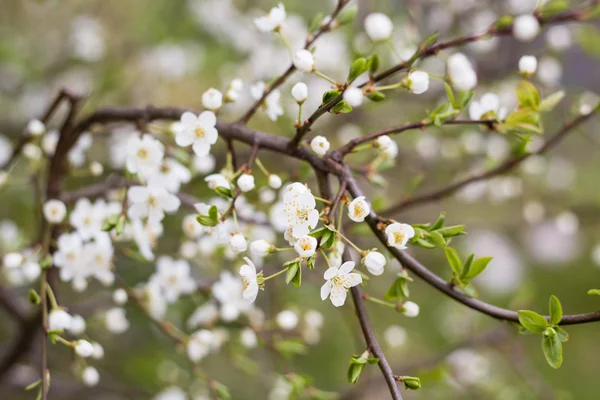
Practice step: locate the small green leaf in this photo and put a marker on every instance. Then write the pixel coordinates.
(347, 15)
(297, 279)
(223, 191)
(453, 260)
(411, 382)
(341, 108)
(466, 268)
(450, 231)
(34, 298)
(316, 22)
(374, 64)
(563, 336)
(437, 239)
(594, 292)
(424, 243)
(213, 213)
(439, 223)
(464, 98)
(206, 221)
(552, 347)
(528, 95)
(354, 372)
(290, 347)
(33, 385)
(532, 321)
(477, 267)
(358, 67)
(291, 272)
(376, 97)
(556, 311)
(551, 101)
(504, 21)
(330, 95)
(450, 94)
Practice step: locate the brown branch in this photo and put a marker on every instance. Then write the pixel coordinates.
(506, 166)
(445, 287)
(310, 40)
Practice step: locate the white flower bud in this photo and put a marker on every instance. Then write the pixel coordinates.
(32, 151)
(287, 320)
(383, 142)
(353, 96)
(90, 376)
(55, 211)
(300, 92)
(212, 99)
(319, 145)
(120, 296)
(275, 181)
(526, 27)
(358, 209)
(12, 260)
(378, 26)
(527, 65)
(248, 338)
(238, 243)
(410, 309)
(418, 82)
(116, 321)
(98, 351)
(304, 61)
(374, 261)
(559, 37)
(245, 182)
(35, 127)
(461, 72)
(59, 320)
(83, 348)
(78, 325)
(96, 168)
(261, 248)
(237, 85)
(306, 246)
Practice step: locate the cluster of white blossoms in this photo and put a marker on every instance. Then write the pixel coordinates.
(461, 72)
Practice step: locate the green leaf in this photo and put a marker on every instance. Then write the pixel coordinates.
(46, 262)
(551, 101)
(450, 231)
(532, 321)
(450, 94)
(453, 260)
(120, 227)
(341, 108)
(528, 95)
(316, 22)
(374, 64)
(290, 347)
(33, 385)
(424, 243)
(376, 97)
(552, 347)
(206, 221)
(464, 98)
(354, 372)
(477, 267)
(358, 67)
(411, 382)
(594, 292)
(504, 21)
(439, 223)
(213, 213)
(291, 272)
(466, 268)
(34, 298)
(223, 191)
(556, 311)
(437, 239)
(563, 336)
(330, 95)
(297, 279)
(347, 15)
(553, 7)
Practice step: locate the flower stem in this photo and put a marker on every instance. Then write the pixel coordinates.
(286, 42)
(261, 167)
(379, 301)
(322, 200)
(325, 257)
(63, 341)
(299, 113)
(388, 87)
(276, 274)
(348, 241)
(328, 79)
(51, 296)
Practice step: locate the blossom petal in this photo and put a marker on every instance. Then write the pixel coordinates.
(138, 194)
(248, 272)
(330, 273)
(170, 203)
(338, 296)
(346, 267)
(251, 292)
(207, 118)
(325, 290)
(201, 148)
(354, 279)
(189, 118)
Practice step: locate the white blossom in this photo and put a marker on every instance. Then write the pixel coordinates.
(199, 345)
(306, 246)
(304, 61)
(144, 155)
(272, 103)
(353, 96)
(173, 277)
(378, 26)
(248, 338)
(525, 27)
(287, 320)
(78, 325)
(203, 164)
(84, 349)
(198, 131)
(374, 261)
(90, 376)
(116, 321)
(461, 72)
(151, 202)
(275, 181)
(212, 99)
(59, 320)
(271, 21)
(261, 248)
(338, 281)
(217, 180)
(238, 243)
(410, 309)
(527, 65)
(35, 127)
(228, 291)
(300, 92)
(358, 209)
(249, 279)
(320, 145)
(245, 182)
(488, 104)
(299, 209)
(398, 234)
(120, 296)
(204, 315)
(395, 335)
(170, 175)
(418, 82)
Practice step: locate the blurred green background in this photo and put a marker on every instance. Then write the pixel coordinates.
(540, 224)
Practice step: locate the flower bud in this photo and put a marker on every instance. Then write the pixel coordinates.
(353, 96)
(410, 309)
(320, 145)
(417, 82)
(527, 65)
(300, 92)
(374, 261)
(238, 243)
(90, 376)
(526, 27)
(261, 248)
(411, 382)
(83, 348)
(245, 182)
(304, 61)
(212, 99)
(378, 26)
(275, 181)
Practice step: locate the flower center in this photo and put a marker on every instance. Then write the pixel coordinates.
(399, 237)
(152, 201)
(164, 168)
(199, 132)
(142, 153)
